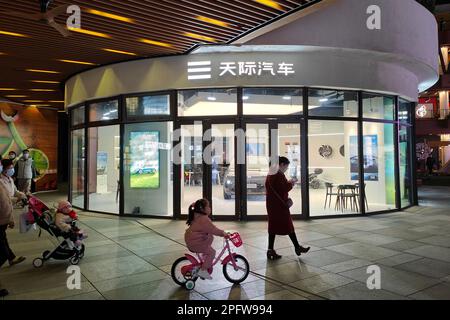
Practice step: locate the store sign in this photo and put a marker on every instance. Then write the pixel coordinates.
(424, 110)
(201, 70)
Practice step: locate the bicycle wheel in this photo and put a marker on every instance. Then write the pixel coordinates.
(176, 274)
(238, 275)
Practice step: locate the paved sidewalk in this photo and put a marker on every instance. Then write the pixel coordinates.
(131, 258)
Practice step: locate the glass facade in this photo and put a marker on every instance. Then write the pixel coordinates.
(143, 159)
(78, 160)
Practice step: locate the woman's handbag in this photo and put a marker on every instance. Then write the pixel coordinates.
(288, 203)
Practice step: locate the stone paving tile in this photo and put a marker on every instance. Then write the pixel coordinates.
(324, 257)
(346, 265)
(363, 251)
(324, 243)
(359, 291)
(402, 245)
(54, 293)
(427, 267)
(438, 292)
(244, 292)
(281, 295)
(402, 258)
(443, 241)
(397, 281)
(433, 252)
(290, 272)
(131, 280)
(322, 282)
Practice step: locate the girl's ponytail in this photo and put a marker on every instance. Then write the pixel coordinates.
(199, 207)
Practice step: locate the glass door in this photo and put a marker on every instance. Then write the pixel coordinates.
(191, 165)
(266, 141)
(222, 169)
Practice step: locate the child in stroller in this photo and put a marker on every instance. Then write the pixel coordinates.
(65, 220)
(68, 249)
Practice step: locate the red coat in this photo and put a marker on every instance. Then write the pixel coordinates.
(280, 221)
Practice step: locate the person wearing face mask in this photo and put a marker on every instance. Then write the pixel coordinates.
(7, 181)
(6, 219)
(25, 172)
(12, 155)
(278, 204)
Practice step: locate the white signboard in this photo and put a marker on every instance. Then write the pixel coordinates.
(201, 70)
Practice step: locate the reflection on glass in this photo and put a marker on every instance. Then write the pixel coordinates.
(148, 106)
(104, 111)
(288, 140)
(272, 101)
(223, 169)
(379, 174)
(404, 108)
(405, 167)
(148, 179)
(257, 153)
(104, 165)
(192, 165)
(333, 103)
(333, 167)
(78, 116)
(77, 172)
(378, 107)
(207, 102)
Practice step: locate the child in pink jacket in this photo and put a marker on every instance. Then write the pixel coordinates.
(199, 235)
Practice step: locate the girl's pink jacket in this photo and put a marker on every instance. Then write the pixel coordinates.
(200, 235)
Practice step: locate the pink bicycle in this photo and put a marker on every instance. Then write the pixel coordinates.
(235, 266)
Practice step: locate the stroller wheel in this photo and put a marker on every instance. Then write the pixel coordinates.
(75, 260)
(38, 262)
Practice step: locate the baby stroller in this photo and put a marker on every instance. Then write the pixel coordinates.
(40, 214)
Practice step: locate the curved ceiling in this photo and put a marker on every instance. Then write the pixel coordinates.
(114, 31)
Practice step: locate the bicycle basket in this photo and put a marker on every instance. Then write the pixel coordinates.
(236, 239)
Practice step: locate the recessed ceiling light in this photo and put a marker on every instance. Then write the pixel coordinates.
(287, 98)
(55, 101)
(40, 105)
(8, 89)
(245, 97)
(7, 33)
(212, 98)
(77, 62)
(120, 52)
(44, 81)
(90, 32)
(33, 101)
(213, 21)
(41, 71)
(15, 96)
(270, 3)
(156, 43)
(199, 37)
(43, 90)
(110, 15)
(323, 100)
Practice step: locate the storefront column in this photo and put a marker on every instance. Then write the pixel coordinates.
(305, 157)
(398, 203)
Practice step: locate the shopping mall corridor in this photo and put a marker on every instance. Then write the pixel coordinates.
(128, 258)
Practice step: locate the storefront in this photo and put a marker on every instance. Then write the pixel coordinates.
(149, 137)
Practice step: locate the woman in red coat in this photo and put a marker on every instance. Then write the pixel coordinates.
(280, 221)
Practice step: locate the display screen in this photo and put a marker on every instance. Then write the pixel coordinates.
(370, 158)
(144, 159)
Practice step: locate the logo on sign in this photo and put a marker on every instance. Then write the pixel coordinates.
(199, 70)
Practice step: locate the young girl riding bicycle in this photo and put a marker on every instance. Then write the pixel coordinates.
(200, 235)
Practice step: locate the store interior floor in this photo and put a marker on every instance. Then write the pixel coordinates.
(129, 258)
(256, 204)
